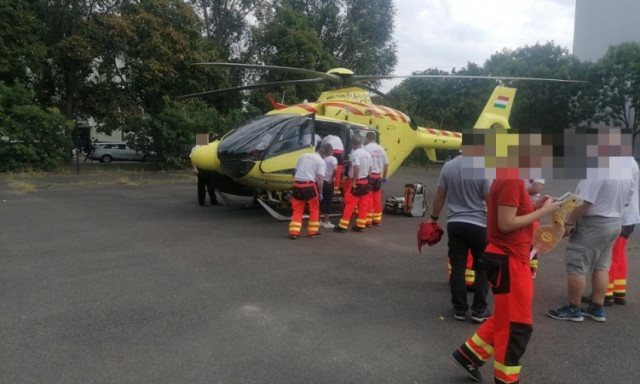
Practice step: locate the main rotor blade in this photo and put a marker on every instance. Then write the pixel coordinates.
(361, 78)
(307, 72)
(253, 86)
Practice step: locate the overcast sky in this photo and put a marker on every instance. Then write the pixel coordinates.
(445, 34)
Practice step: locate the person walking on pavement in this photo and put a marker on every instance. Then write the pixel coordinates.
(505, 335)
(356, 191)
(307, 181)
(467, 231)
(379, 168)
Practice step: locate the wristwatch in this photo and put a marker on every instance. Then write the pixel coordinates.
(435, 218)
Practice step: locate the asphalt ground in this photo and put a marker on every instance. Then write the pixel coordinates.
(125, 279)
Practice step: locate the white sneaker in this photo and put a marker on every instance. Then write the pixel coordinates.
(327, 225)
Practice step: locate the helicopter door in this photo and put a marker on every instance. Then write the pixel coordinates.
(294, 140)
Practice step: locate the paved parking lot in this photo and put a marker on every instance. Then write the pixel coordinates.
(112, 281)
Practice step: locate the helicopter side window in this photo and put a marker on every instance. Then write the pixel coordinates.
(293, 137)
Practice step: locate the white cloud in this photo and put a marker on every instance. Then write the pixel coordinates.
(448, 34)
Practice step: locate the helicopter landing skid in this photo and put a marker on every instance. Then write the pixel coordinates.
(281, 217)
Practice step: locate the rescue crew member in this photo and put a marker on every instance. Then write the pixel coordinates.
(506, 334)
(617, 289)
(338, 153)
(379, 168)
(331, 164)
(534, 187)
(356, 187)
(307, 181)
(467, 231)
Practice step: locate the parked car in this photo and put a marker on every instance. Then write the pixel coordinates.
(107, 152)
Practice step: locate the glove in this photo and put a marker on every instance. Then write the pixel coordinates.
(320, 197)
(384, 180)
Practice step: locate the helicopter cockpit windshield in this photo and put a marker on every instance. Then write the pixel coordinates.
(267, 136)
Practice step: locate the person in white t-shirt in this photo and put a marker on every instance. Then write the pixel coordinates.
(590, 244)
(356, 187)
(617, 288)
(379, 169)
(331, 165)
(307, 181)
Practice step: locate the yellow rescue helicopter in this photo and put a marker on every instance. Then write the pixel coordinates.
(261, 154)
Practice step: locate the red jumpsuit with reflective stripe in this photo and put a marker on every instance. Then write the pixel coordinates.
(298, 210)
(374, 216)
(617, 288)
(506, 333)
(351, 201)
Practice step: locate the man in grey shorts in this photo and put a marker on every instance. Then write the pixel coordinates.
(590, 244)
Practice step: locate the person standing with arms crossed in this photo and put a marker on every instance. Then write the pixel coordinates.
(379, 168)
(506, 333)
(307, 181)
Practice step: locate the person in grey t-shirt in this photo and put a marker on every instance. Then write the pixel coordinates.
(467, 231)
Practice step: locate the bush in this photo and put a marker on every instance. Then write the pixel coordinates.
(30, 137)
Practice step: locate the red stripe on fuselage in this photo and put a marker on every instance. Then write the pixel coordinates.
(347, 107)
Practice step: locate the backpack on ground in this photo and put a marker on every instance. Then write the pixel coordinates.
(415, 203)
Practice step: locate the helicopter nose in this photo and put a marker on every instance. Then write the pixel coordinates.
(206, 157)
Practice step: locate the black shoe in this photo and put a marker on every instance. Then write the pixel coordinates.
(608, 301)
(339, 230)
(618, 300)
(293, 237)
(480, 317)
(315, 235)
(467, 365)
(376, 224)
(357, 229)
(459, 315)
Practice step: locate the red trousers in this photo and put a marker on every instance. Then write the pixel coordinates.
(504, 335)
(298, 210)
(350, 203)
(374, 216)
(617, 287)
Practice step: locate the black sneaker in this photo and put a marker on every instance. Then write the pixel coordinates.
(459, 315)
(293, 237)
(339, 230)
(618, 300)
(480, 317)
(357, 229)
(468, 366)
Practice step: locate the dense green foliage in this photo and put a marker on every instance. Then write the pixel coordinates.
(121, 65)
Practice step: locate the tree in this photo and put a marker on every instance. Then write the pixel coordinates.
(21, 50)
(539, 105)
(613, 94)
(289, 40)
(29, 135)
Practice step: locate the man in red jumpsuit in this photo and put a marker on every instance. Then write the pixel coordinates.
(307, 181)
(379, 169)
(356, 187)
